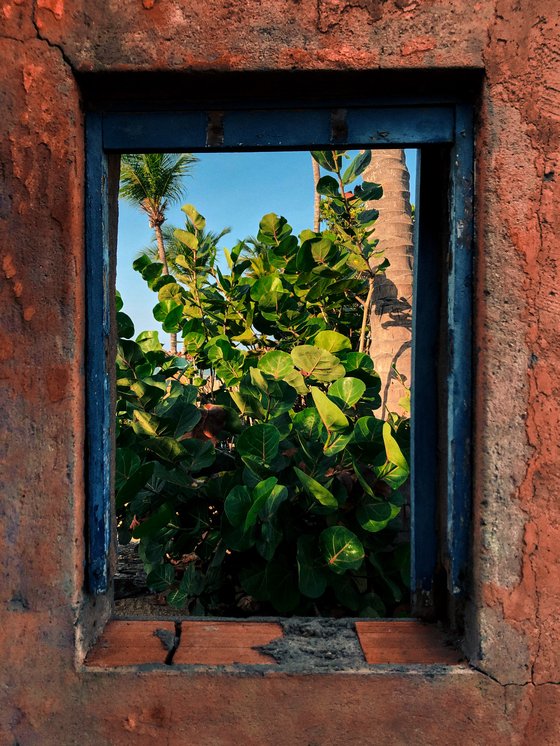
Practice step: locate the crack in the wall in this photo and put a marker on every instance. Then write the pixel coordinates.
(40, 37)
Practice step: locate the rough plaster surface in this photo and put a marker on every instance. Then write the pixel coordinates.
(514, 621)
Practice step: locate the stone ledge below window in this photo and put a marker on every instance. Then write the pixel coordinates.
(303, 645)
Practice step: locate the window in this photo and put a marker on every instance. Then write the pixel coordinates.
(441, 410)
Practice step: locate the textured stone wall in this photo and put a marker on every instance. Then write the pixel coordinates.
(512, 691)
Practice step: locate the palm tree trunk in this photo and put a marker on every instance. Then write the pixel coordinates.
(165, 271)
(316, 196)
(391, 316)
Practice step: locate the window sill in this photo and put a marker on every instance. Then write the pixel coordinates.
(272, 644)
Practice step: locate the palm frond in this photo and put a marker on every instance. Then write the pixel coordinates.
(153, 181)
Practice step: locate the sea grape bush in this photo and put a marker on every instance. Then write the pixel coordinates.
(252, 468)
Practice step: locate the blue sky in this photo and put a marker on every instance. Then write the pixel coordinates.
(231, 190)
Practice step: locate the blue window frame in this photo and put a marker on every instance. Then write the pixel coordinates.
(442, 359)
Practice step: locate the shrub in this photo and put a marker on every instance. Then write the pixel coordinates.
(252, 469)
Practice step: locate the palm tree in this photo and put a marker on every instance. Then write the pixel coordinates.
(391, 317)
(152, 182)
(316, 196)
(207, 246)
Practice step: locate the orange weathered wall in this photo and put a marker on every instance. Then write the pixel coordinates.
(511, 695)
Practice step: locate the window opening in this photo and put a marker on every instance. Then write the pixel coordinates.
(262, 459)
(445, 136)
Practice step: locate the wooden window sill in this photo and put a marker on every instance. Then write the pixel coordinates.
(227, 643)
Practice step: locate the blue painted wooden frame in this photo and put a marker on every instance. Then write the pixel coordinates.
(414, 125)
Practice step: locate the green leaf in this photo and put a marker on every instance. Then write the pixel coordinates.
(394, 453)
(185, 418)
(332, 341)
(172, 322)
(328, 159)
(161, 578)
(355, 361)
(265, 286)
(317, 363)
(259, 442)
(166, 448)
(356, 167)
(336, 443)
(118, 301)
(155, 522)
(333, 418)
(316, 490)
(346, 392)
(341, 548)
(145, 423)
(188, 239)
(125, 327)
(200, 454)
(328, 186)
(237, 505)
(368, 191)
(308, 424)
(149, 341)
(126, 463)
(259, 496)
(135, 482)
(195, 217)
(276, 364)
(375, 516)
(311, 578)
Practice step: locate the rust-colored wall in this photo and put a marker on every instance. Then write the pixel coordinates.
(514, 618)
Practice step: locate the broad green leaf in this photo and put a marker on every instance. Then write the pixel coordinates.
(316, 490)
(194, 216)
(276, 497)
(346, 392)
(172, 322)
(328, 159)
(311, 578)
(317, 363)
(368, 430)
(265, 286)
(368, 191)
(336, 443)
(368, 216)
(276, 364)
(332, 341)
(308, 424)
(200, 454)
(333, 418)
(166, 448)
(259, 442)
(149, 341)
(357, 167)
(341, 548)
(237, 505)
(136, 481)
(126, 463)
(259, 496)
(185, 418)
(145, 423)
(328, 186)
(297, 382)
(355, 360)
(160, 578)
(118, 301)
(375, 516)
(155, 522)
(125, 327)
(394, 453)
